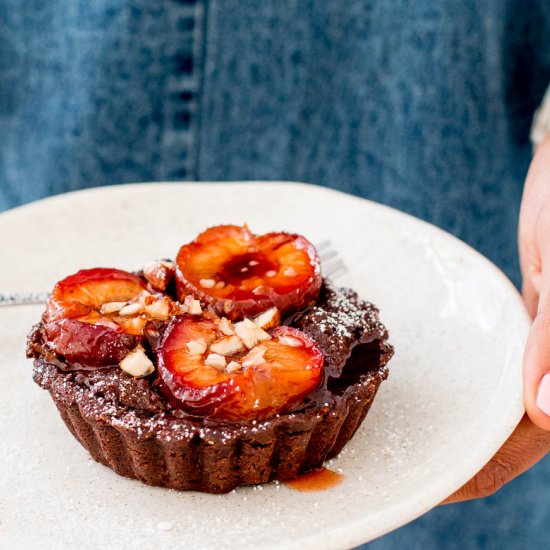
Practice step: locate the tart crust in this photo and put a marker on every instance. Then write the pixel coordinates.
(186, 454)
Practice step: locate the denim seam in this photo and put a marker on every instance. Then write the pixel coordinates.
(182, 89)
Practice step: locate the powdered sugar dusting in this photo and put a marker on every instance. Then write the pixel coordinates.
(338, 322)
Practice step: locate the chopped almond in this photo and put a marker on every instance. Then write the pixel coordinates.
(254, 357)
(228, 346)
(112, 307)
(159, 274)
(108, 323)
(159, 309)
(196, 347)
(137, 364)
(291, 341)
(215, 360)
(226, 326)
(233, 366)
(144, 297)
(207, 283)
(131, 309)
(186, 303)
(195, 308)
(262, 335)
(250, 333)
(268, 319)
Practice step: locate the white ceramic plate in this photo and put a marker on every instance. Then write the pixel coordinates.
(453, 396)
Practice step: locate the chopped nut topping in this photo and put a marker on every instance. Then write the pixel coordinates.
(246, 333)
(234, 366)
(226, 326)
(187, 303)
(216, 361)
(270, 273)
(159, 274)
(137, 364)
(253, 263)
(291, 341)
(196, 347)
(268, 319)
(195, 308)
(112, 307)
(107, 323)
(207, 283)
(159, 309)
(228, 346)
(289, 272)
(147, 299)
(254, 357)
(250, 333)
(220, 284)
(262, 335)
(134, 323)
(131, 309)
(143, 296)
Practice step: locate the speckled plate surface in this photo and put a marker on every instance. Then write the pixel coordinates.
(453, 396)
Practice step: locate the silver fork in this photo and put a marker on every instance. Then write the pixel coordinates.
(332, 266)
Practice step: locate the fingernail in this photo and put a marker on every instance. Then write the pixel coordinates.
(543, 395)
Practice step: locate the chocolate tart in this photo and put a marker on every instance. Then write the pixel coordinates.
(127, 425)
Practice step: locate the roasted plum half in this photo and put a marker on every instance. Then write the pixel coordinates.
(211, 367)
(241, 274)
(97, 316)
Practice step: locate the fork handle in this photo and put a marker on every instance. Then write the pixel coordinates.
(333, 267)
(23, 298)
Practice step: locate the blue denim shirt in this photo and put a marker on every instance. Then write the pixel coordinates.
(421, 105)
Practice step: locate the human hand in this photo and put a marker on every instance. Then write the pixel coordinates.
(531, 439)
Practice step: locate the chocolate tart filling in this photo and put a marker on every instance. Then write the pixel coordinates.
(125, 424)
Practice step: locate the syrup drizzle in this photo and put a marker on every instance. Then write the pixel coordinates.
(245, 266)
(318, 480)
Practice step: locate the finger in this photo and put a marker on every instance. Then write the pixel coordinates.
(530, 296)
(524, 448)
(535, 193)
(536, 366)
(534, 219)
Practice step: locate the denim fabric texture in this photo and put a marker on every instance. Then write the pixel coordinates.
(421, 105)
